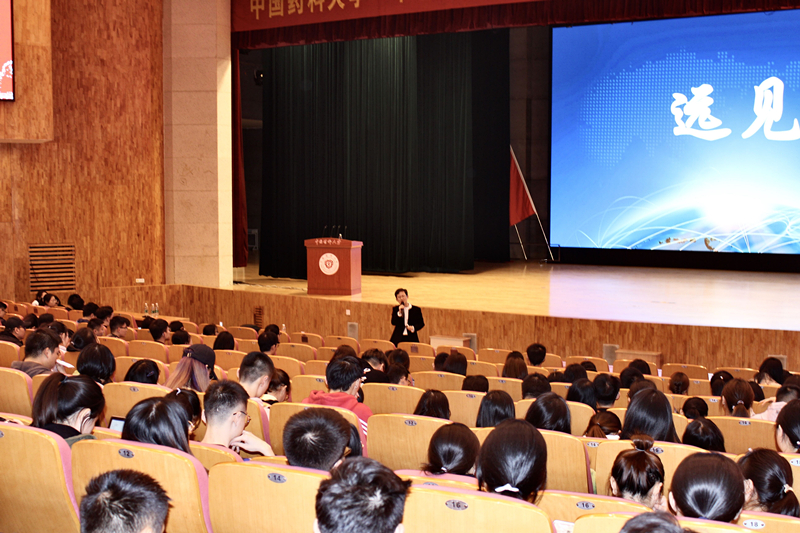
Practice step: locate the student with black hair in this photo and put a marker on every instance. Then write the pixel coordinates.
(536, 354)
(377, 363)
(515, 366)
(549, 411)
(118, 327)
(181, 338)
(124, 501)
(606, 390)
(89, 310)
(41, 353)
(3, 311)
(638, 475)
(433, 403)
(787, 428)
(81, 339)
(533, 386)
(14, 331)
(255, 373)
(475, 383)
(98, 328)
(456, 363)
(438, 361)
(768, 483)
(641, 365)
(75, 302)
(589, 366)
(406, 319)
(679, 383)
(582, 391)
(718, 381)
(628, 376)
(557, 377)
(68, 406)
(495, 407)
(191, 404)
(143, 371)
(280, 388)
(210, 329)
(159, 329)
(316, 438)
(159, 421)
(175, 326)
(604, 425)
(650, 413)
(224, 341)
(655, 522)
(640, 385)
(97, 362)
(703, 433)
(785, 394)
(771, 372)
(758, 392)
(453, 449)
(30, 321)
(225, 415)
(46, 319)
(104, 314)
(268, 343)
(398, 374)
(574, 372)
(709, 486)
(399, 357)
(694, 408)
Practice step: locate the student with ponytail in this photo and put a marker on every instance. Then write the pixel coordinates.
(68, 406)
(638, 475)
(453, 450)
(768, 483)
(603, 425)
(737, 397)
(787, 428)
(707, 485)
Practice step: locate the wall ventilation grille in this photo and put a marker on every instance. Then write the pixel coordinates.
(52, 267)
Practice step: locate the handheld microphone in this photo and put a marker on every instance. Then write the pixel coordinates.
(323, 230)
(345, 231)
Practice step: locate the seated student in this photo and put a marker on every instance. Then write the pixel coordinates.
(549, 411)
(97, 362)
(655, 522)
(209, 329)
(604, 425)
(377, 364)
(81, 339)
(361, 495)
(30, 321)
(274, 329)
(45, 319)
(718, 381)
(495, 407)
(225, 415)
(3, 311)
(694, 408)
(456, 363)
(771, 372)
(536, 354)
(63, 334)
(143, 371)
(606, 390)
(268, 343)
(650, 413)
(75, 302)
(638, 475)
(89, 310)
(438, 361)
(225, 341)
(255, 373)
(707, 485)
(400, 357)
(589, 366)
(118, 327)
(316, 438)
(195, 370)
(146, 322)
(785, 394)
(14, 331)
(787, 428)
(453, 449)
(758, 392)
(97, 327)
(475, 383)
(512, 461)
(768, 483)
(175, 326)
(515, 366)
(628, 376)
(191, 404)
(50, 300)
(737, 398)
(41, 353)
(582, 391)
(640, 385)
(104, 314)
(180, 338)
(679, 383)
(533, 386)
(68, 406)
(703, 433)
(159, 330)
(398, 374)
(343, 375)
(280, 387)
(641, 365)
(124, 501)
(159, 421)
(433, 403)
(574, 372)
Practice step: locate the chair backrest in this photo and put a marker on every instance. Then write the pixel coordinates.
(70, 325)
(208, 340)
(325, 353)
(601, 522)
(301, 352)
(658, 382)
(384, 346)
(243, 333)
(680, 422)
(16, 392)
(768, 522)
(228, 359)
(479, 368)
(190, 327)
(180, 474)
(259, 420)
(739, 372)
(579, 414)
(692, 371)
(148, 350)
(464, 405)
(248, 345)
(452, 481)
(698, 387)
(742, 434)
(521, 407)
(117, 346)
(437, 380)
(622, 364)
(303, 385)
(36, 382)
(196, 338)
(141, 334)
(449, 510)
(336, 341)
(794, 462)
(599, 362)
(284, 337)
(569, 506)
(770, 391)
(211, 454)
(553, 361)
(420, 363)
(121, 397)
(698, 525)
(560, 388)
(24, 420)
(37, 478)
(567, 463)
(312, 339)
(715, 407)
(75, 315)
(281, 412)
(493, 355)
(238, 492)
(512, 386)
(106, 433)
(388, 398)
(125, 363)
(315, 368)
(417, 348)
(401, 441)
(9, 352)
(467, 352)
(291, 366)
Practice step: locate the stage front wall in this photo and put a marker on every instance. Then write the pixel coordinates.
(709, 346)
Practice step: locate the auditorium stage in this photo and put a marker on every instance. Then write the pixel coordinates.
(630, 294)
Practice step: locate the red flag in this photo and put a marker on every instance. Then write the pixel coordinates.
(520, 203)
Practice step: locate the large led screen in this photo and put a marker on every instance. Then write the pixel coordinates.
(678, 135)
(6, 51)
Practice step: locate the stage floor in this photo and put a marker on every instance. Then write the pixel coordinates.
(663, 296)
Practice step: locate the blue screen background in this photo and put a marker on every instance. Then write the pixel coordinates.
(620, 177)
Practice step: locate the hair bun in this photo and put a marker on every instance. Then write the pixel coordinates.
(642, 442)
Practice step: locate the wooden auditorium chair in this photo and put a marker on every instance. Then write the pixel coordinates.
(464, 405)
(148, 350)
(511, 385)
(259, 420)
(420, 363)
(579, 414)
(742, 434)
(141, 334)
(567, 463)
(36, 468)
(208, 340)
(552, 360)
(768, 522)
(451, 481)
(436, 380)
(181, 475)
(291, 366)
(121, 397)
(521, 407)
(272, 459)
(16, 392)
(24, 420)
(601, 522)
(325, 353)
(467, 352)
(401, 441)
(738, 372)
(228, 359)
(384, 346)
(248, 345)
(211, 454)
(388, 398)
(493, 355)
(699, 525)
(312, 339)
(106, 433)
(569, 506)
(447, 510)
(335, 341)
(36, 382)
(73, 326)
(125, 363)
(600, 363)
(680, 422)
(479, 368)
(562, 389)
(770, 391)
(417, 348)
(622, 364)
(659, 383)
(243, 333)
(315, 368)
(259, 496)
(118, 347)
(301, 352)
(9, 353)
(281, 412)
(175, 352)
(691, 371)
(190, 327)
(303, 385)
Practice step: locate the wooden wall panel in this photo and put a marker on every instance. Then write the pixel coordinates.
(100, 183)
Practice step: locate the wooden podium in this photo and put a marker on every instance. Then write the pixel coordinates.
(333, 266)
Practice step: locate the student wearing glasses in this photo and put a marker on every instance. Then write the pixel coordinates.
(225, 415)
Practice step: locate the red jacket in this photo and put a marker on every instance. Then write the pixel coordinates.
(345, 401)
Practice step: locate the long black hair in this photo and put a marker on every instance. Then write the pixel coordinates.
(158, 421)
(59, 397)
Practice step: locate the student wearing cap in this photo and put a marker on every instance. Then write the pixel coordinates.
(195, 370)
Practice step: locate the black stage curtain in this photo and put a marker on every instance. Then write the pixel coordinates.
(377, 137)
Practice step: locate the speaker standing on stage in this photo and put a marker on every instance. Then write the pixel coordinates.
(406, 319)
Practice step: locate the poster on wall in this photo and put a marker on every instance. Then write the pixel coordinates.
(6, 51)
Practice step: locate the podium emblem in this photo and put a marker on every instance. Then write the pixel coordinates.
(329, 264)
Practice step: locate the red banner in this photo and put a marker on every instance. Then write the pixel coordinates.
(265, 14)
